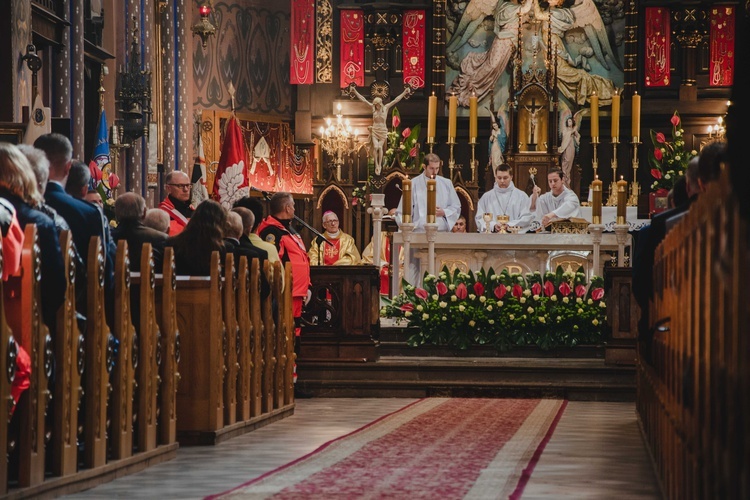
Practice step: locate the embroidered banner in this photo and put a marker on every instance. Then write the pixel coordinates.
(352, 48)
(656, 70)
(324, 42)
(722, 46)
(413, 37)
(303, 42)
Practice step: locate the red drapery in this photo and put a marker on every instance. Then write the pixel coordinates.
(302, 42)
(657, 47)
(352, 48)
(722, 45)
(413, 35)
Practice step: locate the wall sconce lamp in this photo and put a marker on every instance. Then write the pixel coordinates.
(204, 28)
(134, 96)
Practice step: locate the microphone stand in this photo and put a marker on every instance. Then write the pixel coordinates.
(308, 226)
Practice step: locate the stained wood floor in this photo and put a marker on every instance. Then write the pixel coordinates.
(596, 452)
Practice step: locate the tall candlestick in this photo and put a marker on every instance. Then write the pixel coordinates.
(472, 117)
(594, 115)
(636, 112)
(431, 115)
(431, 200)
(615, 116)
(596, 211)
(406, 200)
(452, 109)
(622, 200)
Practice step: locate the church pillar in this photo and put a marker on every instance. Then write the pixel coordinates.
(438, 48)
(61, 79)
(631, 48)
(77, 111)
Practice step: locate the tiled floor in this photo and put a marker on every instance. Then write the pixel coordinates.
(595, 452)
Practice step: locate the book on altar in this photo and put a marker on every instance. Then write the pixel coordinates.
(571, 225)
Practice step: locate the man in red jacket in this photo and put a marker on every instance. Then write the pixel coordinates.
(177, 203)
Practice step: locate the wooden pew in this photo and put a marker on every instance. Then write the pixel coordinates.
(256, 350)
(245, 325)
(280, 341)
(166, 313)
(147, 373)
(121, 432)
(23, 313)
(8, 365)
(289, 333)
(68, 346)
(268, 343)
(231, 341)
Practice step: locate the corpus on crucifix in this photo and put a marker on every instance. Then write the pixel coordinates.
(533, 111)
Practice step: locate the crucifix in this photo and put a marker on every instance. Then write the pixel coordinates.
(533, 111)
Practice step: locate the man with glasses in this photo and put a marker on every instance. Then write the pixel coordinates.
(177, 203)
(343, 252)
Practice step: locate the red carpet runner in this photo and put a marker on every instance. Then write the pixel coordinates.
(434, 448)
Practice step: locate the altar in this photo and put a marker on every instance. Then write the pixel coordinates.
(519, 253)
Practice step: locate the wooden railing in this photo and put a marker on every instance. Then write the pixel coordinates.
(116, 389)
(694, 385)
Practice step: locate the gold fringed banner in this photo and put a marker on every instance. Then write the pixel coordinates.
(656, 71)
(413, 36)
(324, 42)
(352, 48)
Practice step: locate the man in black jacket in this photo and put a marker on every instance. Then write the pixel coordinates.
(130, 209)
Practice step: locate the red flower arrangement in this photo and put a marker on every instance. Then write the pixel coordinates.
(669, 159)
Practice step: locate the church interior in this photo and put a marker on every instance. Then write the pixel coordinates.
(602, 352)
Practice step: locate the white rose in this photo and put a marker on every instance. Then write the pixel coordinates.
(499, 303)
(511, 317)
(482, 299)
(542, 320)
(453, 298)
(595, 322)
(530, 310)
(535, 297)
(472, 323)
(566, 300)
(425, 316)
(522, 300)
(443, 304)
(461, 308)
(434, 296)
(420, 308)
(491, 322)
(489, 308)
(407, 314)
(472, 296)
(602, 304)
(554, 298)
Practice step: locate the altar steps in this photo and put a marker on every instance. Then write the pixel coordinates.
(576, 374)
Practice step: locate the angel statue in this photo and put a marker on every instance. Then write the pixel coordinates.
(498, 140)
(379, 129)
(571, 139)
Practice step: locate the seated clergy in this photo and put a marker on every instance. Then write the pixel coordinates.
(342, 252)
(558, 203)
(460, 225)
(504, 199)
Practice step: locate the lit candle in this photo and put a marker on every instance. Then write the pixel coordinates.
(431, 200)
(452, 109)
(406, 200)
(615, 116)
(596, 211)
(622, 197)
(636, 126)
(594, 115)
(431, 115)
(473, 117)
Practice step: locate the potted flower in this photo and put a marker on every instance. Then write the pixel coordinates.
(668, 161)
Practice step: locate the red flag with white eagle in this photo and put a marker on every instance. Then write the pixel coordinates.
(230, 183)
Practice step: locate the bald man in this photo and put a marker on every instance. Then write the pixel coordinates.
(177, 203)
(343, 252)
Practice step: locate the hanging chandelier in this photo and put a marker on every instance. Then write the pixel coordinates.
(337, 138)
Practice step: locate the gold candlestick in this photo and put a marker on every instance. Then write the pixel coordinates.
(595, 161)
(451, 159)
(635, 188)
(431, 143)
(612, 200)
(474, 162)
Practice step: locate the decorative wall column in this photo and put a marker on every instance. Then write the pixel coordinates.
(167, 84)
(631, 48)
(438, 48)
(690, 28)
(77, 111)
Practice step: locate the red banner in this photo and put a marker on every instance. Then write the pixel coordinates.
(302, 42)
(722, 46)
(230, 183)
(352, 48)
(413, 36)
(657, 47)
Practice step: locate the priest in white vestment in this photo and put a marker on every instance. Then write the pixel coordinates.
(448, 205)
(558, 203)
(504, 199)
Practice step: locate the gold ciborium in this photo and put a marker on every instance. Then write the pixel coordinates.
(503, 221)
(487, 218)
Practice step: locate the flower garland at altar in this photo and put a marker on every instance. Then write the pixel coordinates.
(669, 159)
(503, 310)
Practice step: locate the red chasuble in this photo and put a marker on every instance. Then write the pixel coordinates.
(331, 252)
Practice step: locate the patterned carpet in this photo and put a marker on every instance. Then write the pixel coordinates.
(446, 448)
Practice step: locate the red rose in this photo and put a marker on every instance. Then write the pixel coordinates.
(660, 138)
(407, 307)
(580, 291)
(597, 293)
(114, 181)
(536, 289)
(564, 289)
(657, 154)
(396, 121)
(441, 288)
(500, 292)
(675, 119)
(478, 288)
(517, 291)
(656, 173)
(406, 132)
(421, 293)
(461, 291)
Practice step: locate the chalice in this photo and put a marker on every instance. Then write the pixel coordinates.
(487, 217)
(503, 221)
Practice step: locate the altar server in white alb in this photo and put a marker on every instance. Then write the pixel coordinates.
(504, 199)
(448, 206)
(558, 203)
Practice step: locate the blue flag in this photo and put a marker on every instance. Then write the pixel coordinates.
(100, 160)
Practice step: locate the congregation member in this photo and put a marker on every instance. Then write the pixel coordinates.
(339, 250)
(158, 219)
(448, 206)
(460, 225)
(202, 235)
(12, 236)
(177, 203)
(557, 203)
(233, 231)
(78, 181)
(130, 212)
(504, 199)
(18, 186)
(250, 226)
(95, 198)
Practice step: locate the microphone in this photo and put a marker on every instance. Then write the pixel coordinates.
(266, 194)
